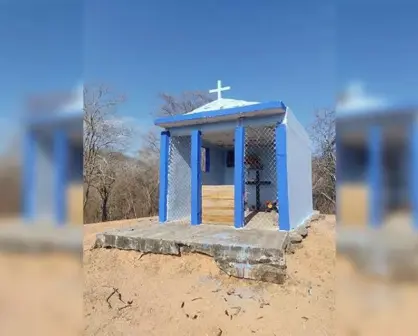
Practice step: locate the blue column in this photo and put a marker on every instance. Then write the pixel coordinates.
(281, 171)
(196, 215)
(414, 173)
(375, 176)
(28, 188)
(239, 177)
(164, 152)
(61, 147)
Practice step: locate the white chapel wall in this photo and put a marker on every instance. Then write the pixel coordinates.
(299, 170)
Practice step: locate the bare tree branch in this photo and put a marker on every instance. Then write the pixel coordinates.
(324, 161)
(101, 134)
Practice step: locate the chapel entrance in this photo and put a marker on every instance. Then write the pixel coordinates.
(260, 186)
(260, 175)
(218, 177)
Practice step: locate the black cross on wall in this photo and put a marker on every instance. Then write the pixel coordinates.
(257, 183)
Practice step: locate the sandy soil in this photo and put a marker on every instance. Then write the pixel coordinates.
(189, 295)
(40, 295)
(372, 306)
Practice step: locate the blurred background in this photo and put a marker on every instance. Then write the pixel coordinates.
(377, 168)
(367, 159)
(41, 160)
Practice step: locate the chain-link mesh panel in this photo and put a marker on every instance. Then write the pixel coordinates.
(179, 179)
(261, 207)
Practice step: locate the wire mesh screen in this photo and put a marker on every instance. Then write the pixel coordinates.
(261, 208)
(179, 179)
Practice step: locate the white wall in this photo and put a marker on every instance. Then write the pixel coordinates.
(299, 170)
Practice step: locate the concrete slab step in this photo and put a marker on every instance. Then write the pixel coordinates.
(250, 254)
(19, 238)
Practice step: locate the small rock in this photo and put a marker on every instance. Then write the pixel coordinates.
(213, 331)
(295, 237)
(298, 246)
(290, 249)
(263, 303)
(302, 230)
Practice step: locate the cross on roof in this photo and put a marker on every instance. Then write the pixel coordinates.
(219, 89)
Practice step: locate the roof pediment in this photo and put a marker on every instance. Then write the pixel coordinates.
(221, 104)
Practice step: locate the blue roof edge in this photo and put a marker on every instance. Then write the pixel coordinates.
(239, 110)
(51, 119)
(385, 110)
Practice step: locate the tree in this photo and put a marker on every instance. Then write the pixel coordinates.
(103, 133)
(149, 153)
(186, 102)
(105, 179)
(172, 105)
(324, 161)
(118, 186)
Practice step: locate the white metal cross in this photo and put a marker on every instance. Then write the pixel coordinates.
(219, 89)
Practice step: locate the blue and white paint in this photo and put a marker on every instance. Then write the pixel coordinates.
(292, 181)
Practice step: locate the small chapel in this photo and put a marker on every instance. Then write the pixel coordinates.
(52, 161)
(235, 162)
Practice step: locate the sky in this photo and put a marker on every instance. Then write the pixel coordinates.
(304, 53)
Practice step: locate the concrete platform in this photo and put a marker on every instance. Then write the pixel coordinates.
(24, 238)
(389, 253)
(251, 254)
(262, 221)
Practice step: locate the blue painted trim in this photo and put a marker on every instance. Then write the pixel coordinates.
(393, 110)
(227, 125)
(163, 197)
(59, 119)
(238, 111)
(196, 206)
(239, 189)
(29, 176)
(61, 175)
(375, 176)
(414, 173)
(282, 177)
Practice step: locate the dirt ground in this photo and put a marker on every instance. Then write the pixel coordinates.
(162, 295)
(367, 306)
(40, 295)
(188, 295)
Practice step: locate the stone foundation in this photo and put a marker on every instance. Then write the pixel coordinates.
(244, 253)
(249, 254)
